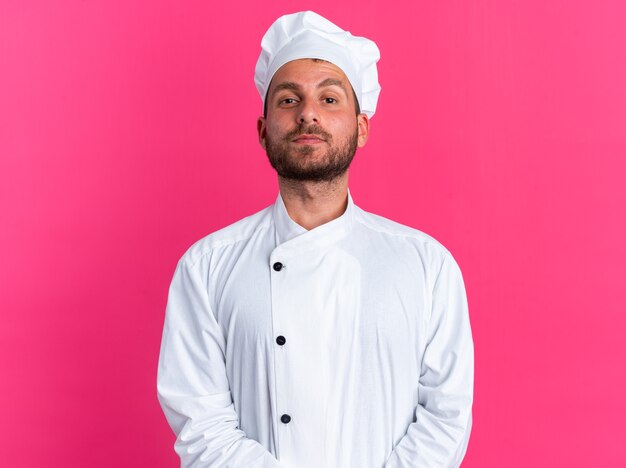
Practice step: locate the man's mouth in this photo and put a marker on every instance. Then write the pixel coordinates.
(308, 139)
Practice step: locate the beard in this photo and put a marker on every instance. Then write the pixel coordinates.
(293, 163)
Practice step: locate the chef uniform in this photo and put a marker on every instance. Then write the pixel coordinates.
(344, 346)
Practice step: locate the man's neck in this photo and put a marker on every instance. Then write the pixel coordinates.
(311, 204)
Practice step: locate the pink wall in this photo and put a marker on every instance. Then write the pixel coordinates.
(127, 131)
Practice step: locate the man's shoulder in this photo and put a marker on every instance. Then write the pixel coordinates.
(236, 232)
(400, 232)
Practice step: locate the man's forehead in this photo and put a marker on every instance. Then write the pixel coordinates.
(290, 75)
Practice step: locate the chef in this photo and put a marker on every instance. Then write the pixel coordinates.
(314, 334)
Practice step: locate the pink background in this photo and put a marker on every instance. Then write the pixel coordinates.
(127, 132)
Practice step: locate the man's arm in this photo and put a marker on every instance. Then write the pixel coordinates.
(443, 417)
(192, 385)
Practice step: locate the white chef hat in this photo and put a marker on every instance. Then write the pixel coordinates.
(309, 35)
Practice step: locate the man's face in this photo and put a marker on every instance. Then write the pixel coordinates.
(311, 130)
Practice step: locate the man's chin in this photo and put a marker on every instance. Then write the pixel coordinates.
(311, 173)
(304, 150)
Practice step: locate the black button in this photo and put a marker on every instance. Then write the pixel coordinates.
(281, 340)
(285, 418)
(278, 266)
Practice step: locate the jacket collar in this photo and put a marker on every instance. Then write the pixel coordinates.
(290, 235)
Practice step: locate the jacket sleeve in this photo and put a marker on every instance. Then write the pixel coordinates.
(192, 384)
(439, 435)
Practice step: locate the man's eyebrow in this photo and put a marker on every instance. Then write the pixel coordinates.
(290, 85)
(332, 82)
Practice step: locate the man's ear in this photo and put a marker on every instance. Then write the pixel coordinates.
(261, 130)
(363, 124)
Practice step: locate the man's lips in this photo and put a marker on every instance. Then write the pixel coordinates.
(308, 139)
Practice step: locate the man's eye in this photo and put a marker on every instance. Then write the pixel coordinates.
(330, 100)
(288, 101)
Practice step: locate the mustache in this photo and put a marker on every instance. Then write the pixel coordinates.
(313, 129)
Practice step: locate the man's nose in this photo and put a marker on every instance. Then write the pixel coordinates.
(309, 112)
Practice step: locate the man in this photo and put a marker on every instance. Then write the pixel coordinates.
(315, 334)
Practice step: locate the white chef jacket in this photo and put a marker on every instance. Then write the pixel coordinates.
(344, 346)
